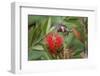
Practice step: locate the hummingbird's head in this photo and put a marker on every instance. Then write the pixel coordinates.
(63, 28)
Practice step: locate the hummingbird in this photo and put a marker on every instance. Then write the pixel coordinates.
(64, 29)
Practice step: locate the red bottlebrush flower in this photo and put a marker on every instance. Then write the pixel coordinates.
(54, 41)
(58, 41)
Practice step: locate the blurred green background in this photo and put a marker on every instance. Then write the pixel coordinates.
(75, 36)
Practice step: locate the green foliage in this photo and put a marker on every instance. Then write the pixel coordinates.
(40, 26)
(38, 55)
(39, 52)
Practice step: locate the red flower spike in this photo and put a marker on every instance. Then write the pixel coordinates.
(58, 41)
(54, 41)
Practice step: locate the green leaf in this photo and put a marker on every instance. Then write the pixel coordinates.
(78, 44)
(33, 35)
(46, 50)
(37, 55)
(69, 39)
(48, 25)
(77, 52)
(30, 36)
(35, 18)
(51, 29)
(77, 56)
(34, 55)
(37, 47)
(57, 19)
